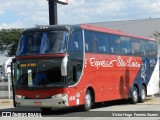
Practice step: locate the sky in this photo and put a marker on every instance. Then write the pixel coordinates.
(28, 13)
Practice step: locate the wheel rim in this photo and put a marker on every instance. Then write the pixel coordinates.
(135, 95)
(143, 94)
(88, 100)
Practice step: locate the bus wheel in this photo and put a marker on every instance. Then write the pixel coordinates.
(134, 95)
(142, 94)
(45, 110)
(88, 101)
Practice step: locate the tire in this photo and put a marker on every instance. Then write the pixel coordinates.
(87, 101)
(46, 110)
(134, 95)
(142, 96)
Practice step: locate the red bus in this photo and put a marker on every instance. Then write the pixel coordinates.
(79, 65)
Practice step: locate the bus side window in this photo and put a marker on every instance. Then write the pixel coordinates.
(89, 41)
(75, 44)
(144, 48)
(102, 43)
(152, 48)
(135, 46)
(125, 45)
(114, 41)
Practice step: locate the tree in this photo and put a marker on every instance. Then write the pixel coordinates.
(157, 36)
(9, 41)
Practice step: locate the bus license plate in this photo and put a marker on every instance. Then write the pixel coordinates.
(37, 103)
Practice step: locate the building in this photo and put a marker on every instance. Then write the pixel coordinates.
(142, 27)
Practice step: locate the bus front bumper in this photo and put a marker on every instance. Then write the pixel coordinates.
(56, 101)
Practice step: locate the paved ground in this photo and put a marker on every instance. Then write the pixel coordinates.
(4, 90)
(100, 110)
(151, 104)
(3, 84)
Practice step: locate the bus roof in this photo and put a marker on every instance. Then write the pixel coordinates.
(84, 26)
(51, 27)
(111, 31)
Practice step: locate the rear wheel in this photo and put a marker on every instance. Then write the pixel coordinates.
(142, 94)
(134, 95)
(88, 101)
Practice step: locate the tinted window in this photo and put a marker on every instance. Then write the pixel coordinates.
(89, 38)
(152, 48)
(102, 43)
(114, 44)
(125, 45)
(144, 47)
(76, 41)
(42, 43)
(135, 46)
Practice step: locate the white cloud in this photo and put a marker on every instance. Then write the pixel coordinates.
(31, 12)
(4, 5)
(155, 6)
(151, 5)
(17, 24)
(89, 11)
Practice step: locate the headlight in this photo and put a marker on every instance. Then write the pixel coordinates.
(20, 96)
(59, 95)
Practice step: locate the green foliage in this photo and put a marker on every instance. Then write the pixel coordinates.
(9, 40)
(157, 35)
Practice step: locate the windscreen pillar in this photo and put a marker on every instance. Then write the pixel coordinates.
(52, 12)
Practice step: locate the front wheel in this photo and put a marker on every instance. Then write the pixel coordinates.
(87, 101)
(134, 95)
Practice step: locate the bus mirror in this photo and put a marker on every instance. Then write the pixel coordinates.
(64, 66)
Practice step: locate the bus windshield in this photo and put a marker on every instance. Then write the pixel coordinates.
(42, 43)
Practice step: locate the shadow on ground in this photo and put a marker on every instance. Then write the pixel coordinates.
(68, 112)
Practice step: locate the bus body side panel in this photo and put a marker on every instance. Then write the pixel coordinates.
(114, 75)
(153, 82)
(148, 75)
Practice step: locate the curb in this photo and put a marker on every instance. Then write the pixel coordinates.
(6, 101)
(153, 100)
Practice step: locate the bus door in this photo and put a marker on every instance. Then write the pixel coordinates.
(75, 63)
(13, 78)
